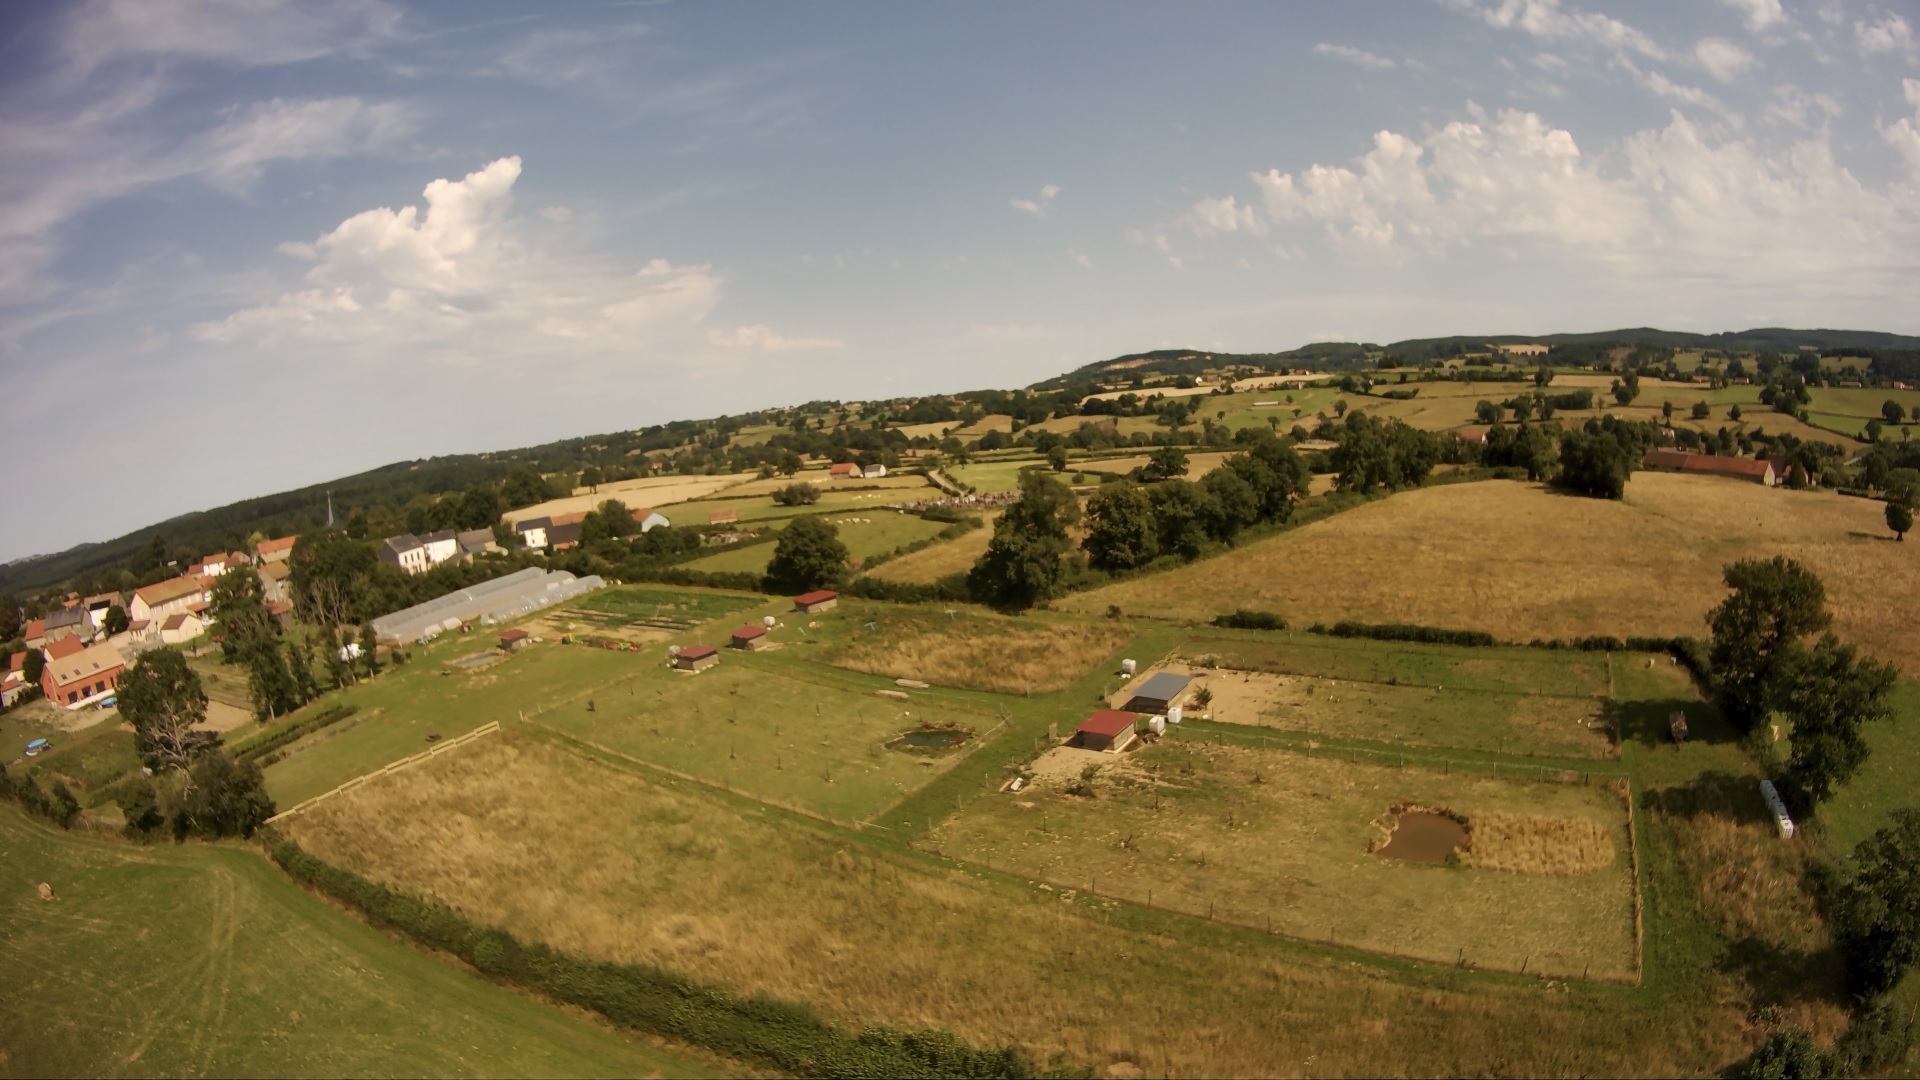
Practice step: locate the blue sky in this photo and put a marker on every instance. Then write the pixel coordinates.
(250, 246)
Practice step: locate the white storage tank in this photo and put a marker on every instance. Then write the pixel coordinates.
(1157, 725)
(1127, 667)
(1173, 715)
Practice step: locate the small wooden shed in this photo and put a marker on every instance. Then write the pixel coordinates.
(697, 658)
(749, 638)
(513, 639)
(1107, 729)
(1160, 692)
(814, 603)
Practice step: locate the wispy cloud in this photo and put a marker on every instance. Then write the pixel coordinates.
(763, 338)
(1037, 207)
(1758, 14)
(1721, 58)
(1352, 55)
(1887, 34)
(1549, 20)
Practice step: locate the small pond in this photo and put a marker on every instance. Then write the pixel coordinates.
(930, 739)
(1424, 836)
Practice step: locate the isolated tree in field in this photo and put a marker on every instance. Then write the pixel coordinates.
(1542, 375)
(801, 494)
(1757, 633)
(1666, 411)
(1593, 464)
(369, 650)
(808, 556)
(1876, 911)
(1899, 520)
(1486, 412)
(1626, 389)
(161, 697)
(1122, 532)
(1733, 413)
(1522, 407)
(1893, 412)
(1827, 695)
(1165, 464)
(1700, 410)
(1873, 429)
(1903, 486)
(591, 478)
(1023, 563)
(1057, 457)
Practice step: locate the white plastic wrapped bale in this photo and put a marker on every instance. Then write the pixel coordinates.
(1779, 809)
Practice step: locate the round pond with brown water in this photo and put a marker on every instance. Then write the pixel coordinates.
(1424, 836)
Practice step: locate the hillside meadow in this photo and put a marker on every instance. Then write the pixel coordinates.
(1520, 561)
(205, 960)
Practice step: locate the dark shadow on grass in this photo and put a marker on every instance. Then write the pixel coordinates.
(1858, 535)
(1646, 722)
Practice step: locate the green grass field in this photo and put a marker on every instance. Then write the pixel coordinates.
(775, 730)
(205, 960)
(679, 605)
(866, 533)
(1000, 474)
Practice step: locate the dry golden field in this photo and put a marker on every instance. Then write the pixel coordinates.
(1519, 561)
(651, 492)
(1198, 463)
(1271, 837)
(930, 564)
(602, 863)
(979, 651)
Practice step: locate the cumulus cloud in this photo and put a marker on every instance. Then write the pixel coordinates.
(1904, 134)
(1224, 215)
(1758, 14)
(1037, 207)
(457, 282)
(1549, 20)
(763, 338)
(1888, 34)
(1723, 59)
(1351, 55)
(1682, 205)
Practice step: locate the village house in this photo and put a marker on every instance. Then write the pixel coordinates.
(875, 471)
(275, 551)
(649, 519)
(533, 532)
(405, 551)
(276, 581)
(477, 542)
(98, 605)
(83, 678)
(155, 602)
(1750, 469)
(69, 622)
(816, 602)
(14, 685)
(845, 470)
(180, 628)
(35, 632)
(696, 658)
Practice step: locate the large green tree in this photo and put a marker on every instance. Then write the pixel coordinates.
(1876, 911)
(250, 637)
(162, 699)
(808, 556)
(1122, 533)
(1593, 464)
(1024, 563)
(1827, 695)
(1757, 633)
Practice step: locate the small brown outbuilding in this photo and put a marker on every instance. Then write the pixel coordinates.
(748, 638)
(1105, 730)
(696, 658)
(513, 639)
(816, 602)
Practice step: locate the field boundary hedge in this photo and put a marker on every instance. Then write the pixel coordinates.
(286, 736)
(784, 1036)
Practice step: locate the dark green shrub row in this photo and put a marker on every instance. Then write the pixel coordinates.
(1245, 619)
(265, 744)
(790, 1038)
(738, 580)
(60, 807)
(949, 590)
(1431, 635)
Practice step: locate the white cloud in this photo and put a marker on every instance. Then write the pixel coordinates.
(1723, 59)
(1904, 134)
(457, 283)
(559, 215)
(1548, 20)
(763, 338)
(1888, 34)
(248, 33)
(1224, 215)
(1080, 259)
(1037, 207)
(1352, 55)
(1684, 206)
(1758, 14)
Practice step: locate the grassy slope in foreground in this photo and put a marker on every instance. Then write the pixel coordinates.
(1520, 561)
(204, 959)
